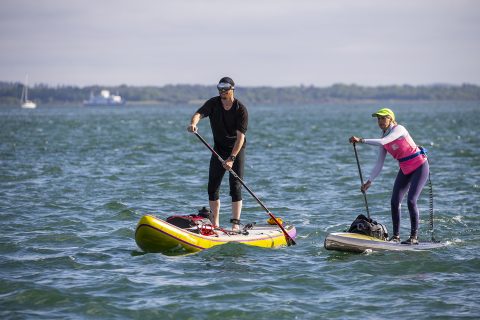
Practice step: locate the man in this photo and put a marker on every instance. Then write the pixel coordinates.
(229, 121)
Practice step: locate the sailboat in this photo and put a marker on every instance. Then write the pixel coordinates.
(25, 103)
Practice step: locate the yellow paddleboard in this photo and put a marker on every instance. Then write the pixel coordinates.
(156, 235)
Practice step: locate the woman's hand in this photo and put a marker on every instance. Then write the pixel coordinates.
(365, 186)
(354, 139)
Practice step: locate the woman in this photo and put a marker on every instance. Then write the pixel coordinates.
(411, 177)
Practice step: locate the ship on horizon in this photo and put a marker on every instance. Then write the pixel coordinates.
(104, 99)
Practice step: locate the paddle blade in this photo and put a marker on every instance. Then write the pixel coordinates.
(290, 241)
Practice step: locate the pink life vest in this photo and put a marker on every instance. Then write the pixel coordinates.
(402, 149)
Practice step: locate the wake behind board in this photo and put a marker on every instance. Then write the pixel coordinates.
(355, 242)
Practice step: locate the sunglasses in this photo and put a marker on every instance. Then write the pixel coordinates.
(224, 87)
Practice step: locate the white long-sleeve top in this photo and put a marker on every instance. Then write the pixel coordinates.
(392, 133)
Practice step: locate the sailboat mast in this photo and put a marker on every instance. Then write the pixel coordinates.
(22, 98)
(26, 87)
(25, 103)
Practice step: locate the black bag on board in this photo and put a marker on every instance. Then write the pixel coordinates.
(191, 221)
(369, 227)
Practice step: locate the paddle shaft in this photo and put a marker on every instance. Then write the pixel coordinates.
(289, 239)
(361, 179)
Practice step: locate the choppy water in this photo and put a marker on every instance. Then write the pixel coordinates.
(75, 181)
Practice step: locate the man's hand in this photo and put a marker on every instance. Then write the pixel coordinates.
(228, 164)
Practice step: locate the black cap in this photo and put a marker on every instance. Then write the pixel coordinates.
(227, 80)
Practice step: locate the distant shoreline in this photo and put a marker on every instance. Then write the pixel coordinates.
(196, 94)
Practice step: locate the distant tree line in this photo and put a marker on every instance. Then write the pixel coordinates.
(183, 94)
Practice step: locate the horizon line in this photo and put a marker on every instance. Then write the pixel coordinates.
(434, 84)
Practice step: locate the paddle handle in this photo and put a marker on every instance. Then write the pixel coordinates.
(289, 239)
(361, 180)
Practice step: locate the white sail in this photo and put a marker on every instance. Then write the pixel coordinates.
(25, 103)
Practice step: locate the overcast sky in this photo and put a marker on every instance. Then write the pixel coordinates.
(270, 42)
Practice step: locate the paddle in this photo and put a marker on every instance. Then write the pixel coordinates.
(289, 239)
(361, 179)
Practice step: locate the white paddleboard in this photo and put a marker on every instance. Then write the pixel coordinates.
(354, 242)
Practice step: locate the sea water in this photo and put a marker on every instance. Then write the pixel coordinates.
(74, 181)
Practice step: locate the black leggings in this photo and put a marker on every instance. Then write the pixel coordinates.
(216, 173)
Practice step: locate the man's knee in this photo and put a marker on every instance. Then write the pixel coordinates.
(236, 192)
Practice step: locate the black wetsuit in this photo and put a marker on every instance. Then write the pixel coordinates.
(224, 128)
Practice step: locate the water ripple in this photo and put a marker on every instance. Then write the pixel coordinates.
(75, 181)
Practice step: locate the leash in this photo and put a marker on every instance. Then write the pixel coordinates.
(431, 203)
(430, 192)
